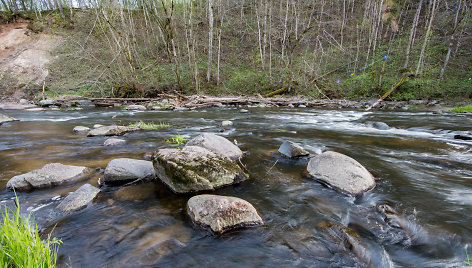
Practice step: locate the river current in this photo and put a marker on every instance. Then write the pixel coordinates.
(421, 171)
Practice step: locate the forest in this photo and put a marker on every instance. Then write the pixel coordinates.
(323, 49)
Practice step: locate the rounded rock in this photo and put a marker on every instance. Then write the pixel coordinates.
(222, 213)
(341, 172)
(216, 144)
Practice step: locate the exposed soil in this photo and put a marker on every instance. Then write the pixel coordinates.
(24, 58)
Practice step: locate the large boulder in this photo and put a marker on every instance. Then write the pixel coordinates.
(78, 199)
(341, 172)
(49, 175)
(217, 145)
(47, 103)
(194, 169)
(222, 213)
(126, 169)
(136, 107)
(5, 118)
(110, 131)
(292, 150)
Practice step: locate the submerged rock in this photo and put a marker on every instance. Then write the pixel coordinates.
(78, 199)
(114, 142)
(217, 145)
(5, 118)
(380, 126)
(341, 172)
(49, 175)
(292, 150)
(340, 239)
(194, 169)
(222, 213)
(151, 255)
(126, 169)
(462, 137)
(136, 107)
(80, 129)
(110, 131)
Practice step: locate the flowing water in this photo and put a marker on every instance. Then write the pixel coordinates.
(421, 171)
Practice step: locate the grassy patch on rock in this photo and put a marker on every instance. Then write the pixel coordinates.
(462, 109)
(21, 245)
(177, 139)
(149, 126)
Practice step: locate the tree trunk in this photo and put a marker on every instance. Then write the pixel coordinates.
(451, 41)
(426, 38)
(210, 37)
(412, 34)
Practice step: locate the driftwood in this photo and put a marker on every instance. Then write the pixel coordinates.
(402, 80)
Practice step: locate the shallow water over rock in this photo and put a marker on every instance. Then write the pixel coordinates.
(421, 171)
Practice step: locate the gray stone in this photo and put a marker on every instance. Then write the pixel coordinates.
(49, 175)
(380, 125)
(292, 150)
(126, 169)
(5, 118)
(136, 107)
(216, 144)
(194, 169)
(110, 131)
(243, 111)
(226, 123)
(80, 129)
(15, 106)
(340, 239)
(341, 172)
(78, 199)
(222, 213)
(97, 126)
(84, 103)
(301, 106)
(47, 103)
(151, 255)
(114, 142)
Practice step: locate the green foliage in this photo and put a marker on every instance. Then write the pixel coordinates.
(150, 126)
(178, 140)
(20, 244)
(462, 109)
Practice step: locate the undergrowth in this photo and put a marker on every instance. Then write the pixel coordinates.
(150, 126)
(21, 245)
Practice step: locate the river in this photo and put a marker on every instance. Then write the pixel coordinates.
(421, 171)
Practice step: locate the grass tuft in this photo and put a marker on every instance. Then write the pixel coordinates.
(177, 139)
(462, 109)
(20, 244)
(150, 126)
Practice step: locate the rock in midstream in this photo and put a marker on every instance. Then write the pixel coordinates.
(114, 142)
(110, 131)
(5, 118)
(49, 175)
(80, 129)
(222, 213)
(78, 199)
(151, 255)
(341, 172)
(194, 169)
(126, 169)
(292, 150)
(216, 144)
(344, 240)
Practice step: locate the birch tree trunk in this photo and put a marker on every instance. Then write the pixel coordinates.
(210, 37)
(412, 34)
(426, 38)
(451, 41)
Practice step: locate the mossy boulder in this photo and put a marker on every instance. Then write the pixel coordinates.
(222, 213)
(194, 169)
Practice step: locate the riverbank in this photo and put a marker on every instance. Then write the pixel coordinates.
(179, 102)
